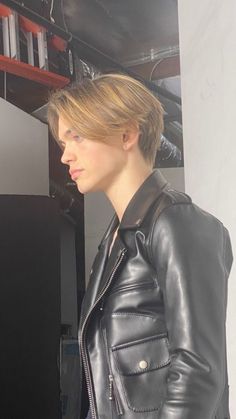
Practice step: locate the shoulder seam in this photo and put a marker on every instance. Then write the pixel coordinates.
(172, 204)
(174, 194)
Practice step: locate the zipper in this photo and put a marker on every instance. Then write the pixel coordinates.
(82, 337)
(113, 391)
(114, 395)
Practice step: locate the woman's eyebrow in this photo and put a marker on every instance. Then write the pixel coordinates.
(68, 131)
(66, 134)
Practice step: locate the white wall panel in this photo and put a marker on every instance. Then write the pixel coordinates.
(24, 167)
(208, 77)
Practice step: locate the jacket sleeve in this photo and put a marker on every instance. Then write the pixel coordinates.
(192, 255)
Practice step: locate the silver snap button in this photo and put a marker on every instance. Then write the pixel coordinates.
(143, 364)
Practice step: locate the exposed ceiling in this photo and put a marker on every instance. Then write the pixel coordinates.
(129, 31)
(136, 36)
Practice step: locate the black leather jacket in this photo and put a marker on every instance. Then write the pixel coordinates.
(152, 331)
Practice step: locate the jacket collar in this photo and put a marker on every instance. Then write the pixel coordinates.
(142, 200)
(139, 204)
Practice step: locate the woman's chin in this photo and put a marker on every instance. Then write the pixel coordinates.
(84, 189)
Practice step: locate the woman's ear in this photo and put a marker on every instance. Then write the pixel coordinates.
(124, 140)
(130, 138)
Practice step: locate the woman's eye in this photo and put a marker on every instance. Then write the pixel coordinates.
(77, 137)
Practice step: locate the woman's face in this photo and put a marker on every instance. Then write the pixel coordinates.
(93, 165)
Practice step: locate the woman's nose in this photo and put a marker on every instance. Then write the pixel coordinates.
(67, 155)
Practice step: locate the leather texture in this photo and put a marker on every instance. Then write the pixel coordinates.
(152, 331)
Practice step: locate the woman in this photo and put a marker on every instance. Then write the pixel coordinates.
(152, 329)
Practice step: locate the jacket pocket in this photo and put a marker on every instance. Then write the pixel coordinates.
(146, 285)
(143, 367)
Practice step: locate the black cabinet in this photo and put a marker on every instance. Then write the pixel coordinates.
(29, 308)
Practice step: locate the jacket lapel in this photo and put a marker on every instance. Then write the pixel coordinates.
(112, 261)
(98, 267)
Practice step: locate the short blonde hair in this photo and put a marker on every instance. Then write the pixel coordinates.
(102, 107)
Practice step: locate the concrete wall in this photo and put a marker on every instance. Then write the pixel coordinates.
(208, 75)
(97, 213)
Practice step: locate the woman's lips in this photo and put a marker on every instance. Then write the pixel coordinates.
(75, 173)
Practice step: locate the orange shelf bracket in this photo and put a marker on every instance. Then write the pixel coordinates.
(30, 72)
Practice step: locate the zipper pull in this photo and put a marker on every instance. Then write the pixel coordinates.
(110, 387)
(101, 305)
(114, 395)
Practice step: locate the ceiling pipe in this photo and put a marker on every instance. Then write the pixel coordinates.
(153, 56)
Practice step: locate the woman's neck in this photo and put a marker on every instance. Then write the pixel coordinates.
(121, 192)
